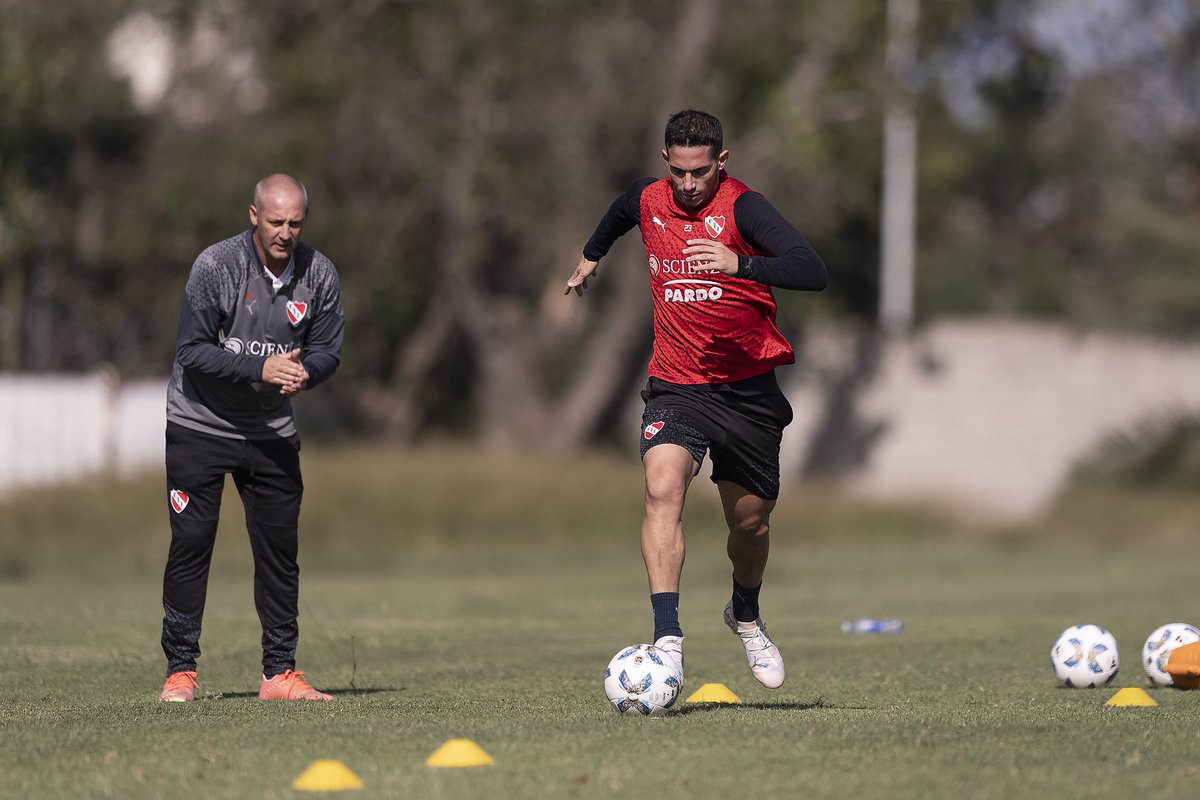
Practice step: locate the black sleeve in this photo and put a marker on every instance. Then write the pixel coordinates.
(622, 216)
(791, 262)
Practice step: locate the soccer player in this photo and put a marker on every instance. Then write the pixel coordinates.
(261, 321)
(715, 249)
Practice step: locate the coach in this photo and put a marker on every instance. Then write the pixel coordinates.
(261, 321)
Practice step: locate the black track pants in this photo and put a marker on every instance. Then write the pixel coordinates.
(267, 476)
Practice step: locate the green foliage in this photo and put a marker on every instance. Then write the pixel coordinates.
(1163, 454)
(67, 139)
(1144, 270)
(464, 150)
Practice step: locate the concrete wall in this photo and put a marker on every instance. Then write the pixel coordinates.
(989, 416)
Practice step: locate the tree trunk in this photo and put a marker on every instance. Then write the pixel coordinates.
(394, 409)
(612, 362)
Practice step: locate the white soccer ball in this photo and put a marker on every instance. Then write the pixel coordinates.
(1085, 656)
(1160, 644)
(642, 680)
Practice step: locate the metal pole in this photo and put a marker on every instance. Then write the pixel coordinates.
(898, 257)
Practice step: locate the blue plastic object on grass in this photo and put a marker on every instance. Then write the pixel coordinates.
(868, 625)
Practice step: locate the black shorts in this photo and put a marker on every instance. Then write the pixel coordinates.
(740, 423)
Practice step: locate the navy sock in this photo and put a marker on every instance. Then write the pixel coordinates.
(745, 602)
(666, 614)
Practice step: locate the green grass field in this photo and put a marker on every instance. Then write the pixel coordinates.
(445, 595)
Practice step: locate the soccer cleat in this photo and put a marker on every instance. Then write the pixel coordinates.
(672, 646)
(179, 687)
(289, 685)
(766, 663)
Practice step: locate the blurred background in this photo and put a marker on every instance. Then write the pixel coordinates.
(1006, 193)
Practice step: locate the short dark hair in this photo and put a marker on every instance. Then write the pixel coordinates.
(693, 128)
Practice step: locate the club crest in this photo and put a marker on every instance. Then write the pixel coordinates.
(715, 224)
(179, 500)
(653, 428)
(296, 311)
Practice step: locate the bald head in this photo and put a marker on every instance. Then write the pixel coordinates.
(274, 185)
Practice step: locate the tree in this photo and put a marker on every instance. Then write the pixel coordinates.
(458, 154)
(68, 138)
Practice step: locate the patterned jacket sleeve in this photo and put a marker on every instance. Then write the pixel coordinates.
(209, 292)
(322, 346)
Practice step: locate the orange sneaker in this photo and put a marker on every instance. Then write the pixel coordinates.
(289, 685)
(179, 688)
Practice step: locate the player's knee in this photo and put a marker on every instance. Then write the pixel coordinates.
(755, 527)
(664, 490)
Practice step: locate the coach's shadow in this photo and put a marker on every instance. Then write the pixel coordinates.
(335, 692)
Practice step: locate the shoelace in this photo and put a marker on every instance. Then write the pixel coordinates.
(295, 683)
(180, 681)
(757, 642)
(292, 677)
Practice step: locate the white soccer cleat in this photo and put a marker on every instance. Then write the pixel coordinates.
(672, 646)
(766, 663)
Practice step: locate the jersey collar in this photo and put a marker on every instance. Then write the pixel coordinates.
(284, 278)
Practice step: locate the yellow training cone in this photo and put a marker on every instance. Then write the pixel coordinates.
(1131, 697)
(459, 753)
(713, 693)
(327, 775)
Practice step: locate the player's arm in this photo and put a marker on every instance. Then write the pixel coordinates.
(790, 263)
(621, 217)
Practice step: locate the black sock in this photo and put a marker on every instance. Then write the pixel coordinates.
(745, 602)
(666, 614)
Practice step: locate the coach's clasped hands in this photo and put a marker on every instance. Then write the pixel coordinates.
(286, 371)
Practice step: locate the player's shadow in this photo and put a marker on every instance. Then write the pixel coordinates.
(779, 705)
(345, 692)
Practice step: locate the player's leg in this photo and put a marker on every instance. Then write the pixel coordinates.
(669, 470)
(746, 469)
(271, 487)
(196, 465)
(672, 449)
(748, 517)
(748, 546)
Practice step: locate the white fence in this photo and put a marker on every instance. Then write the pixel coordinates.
(56, 428)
